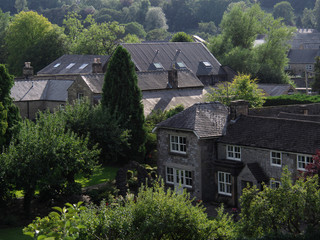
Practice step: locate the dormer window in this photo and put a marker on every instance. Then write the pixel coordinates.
(70, 65)
(181, 65)
(158, 66)
(57, 65)
(206, 64)
(83, 66)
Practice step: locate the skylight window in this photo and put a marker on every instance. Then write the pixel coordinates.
(207, 64)
(181, 65)
(57, 65)
(83, 66)
(158, 66)
(70, 65)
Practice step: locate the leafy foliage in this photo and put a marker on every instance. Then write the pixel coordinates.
(234, 46)
(316, 82)
(27, 31)
(284, 10)
(125, 106)
(46, 157)
(291, 99)
(154, 214)
(289, 207)
(242, 87)
(101, 127)
(181, 37)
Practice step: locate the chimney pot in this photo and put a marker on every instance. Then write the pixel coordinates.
(173, 77)
(27, 70)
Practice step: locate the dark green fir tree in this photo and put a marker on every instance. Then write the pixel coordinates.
(122, 97)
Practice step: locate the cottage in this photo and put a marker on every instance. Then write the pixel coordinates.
(214, 152)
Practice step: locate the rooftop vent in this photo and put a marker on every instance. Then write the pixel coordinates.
(158, 66)
(57, 65)
(181, 65)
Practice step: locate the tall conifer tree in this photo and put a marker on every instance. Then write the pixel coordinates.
(122, 97)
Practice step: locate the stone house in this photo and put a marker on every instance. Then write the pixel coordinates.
(250, 149)
(48, 89)
(301, 61)
(160, 89)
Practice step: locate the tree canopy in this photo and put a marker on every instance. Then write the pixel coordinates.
(242, 87)
(122, 97)
(181, 37)
(235, 45)
(27, 31)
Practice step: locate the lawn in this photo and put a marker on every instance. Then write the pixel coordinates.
(13, 234)
(100, 175)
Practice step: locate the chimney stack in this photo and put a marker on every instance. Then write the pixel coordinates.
(27, 70)
(237, 108)
(173, 77)
(97, 66)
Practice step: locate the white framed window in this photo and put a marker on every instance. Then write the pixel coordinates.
(80, 96)
(234, 152)
(224, 183)
(309, 67)
(274, 184)
(303, 161)
(276, 158)
(179, 177)
(178, 144)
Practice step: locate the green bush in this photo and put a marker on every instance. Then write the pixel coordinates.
(153, 214)
(291, 99)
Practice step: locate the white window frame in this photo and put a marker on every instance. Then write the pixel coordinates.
(233, 152)
(309, 67)
(303, 160)
(178, 144)
(274, 184)
(80, 96)
(272, 158)
(179, 177)
(225, 183)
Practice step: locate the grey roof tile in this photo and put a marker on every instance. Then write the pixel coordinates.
(275, 89)
(258, 172)
(205, 119)
(191, 54)
(274, 133)
(51, 90)
(60, 66)
(302, 56)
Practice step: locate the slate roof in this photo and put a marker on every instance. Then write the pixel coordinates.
(94, 81)
(155, 80)
(166, 99)
(147, 81)
(313, 118)
(275, 89)
(50, 90)
(192, 54)
(258, 172)
(62, 64)
(302, 56)
(206, 120)
(274, 133)
(305, 39)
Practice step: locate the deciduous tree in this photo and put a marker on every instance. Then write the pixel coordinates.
(181, 37)
(242, 87)
(284, 10)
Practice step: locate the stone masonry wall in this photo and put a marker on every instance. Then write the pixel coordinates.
(79, 86)
(189, 161)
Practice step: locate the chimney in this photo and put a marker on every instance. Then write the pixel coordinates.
(27, 70)
(97, 66)
(237, 108)
(173, 77)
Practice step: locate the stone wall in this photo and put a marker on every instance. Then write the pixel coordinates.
(29, 109)
(191, 161)
(79, 86)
